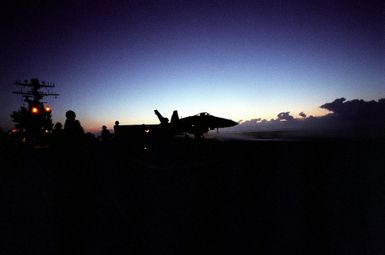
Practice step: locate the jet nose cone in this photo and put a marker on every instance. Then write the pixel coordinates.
(233, 123)
(229, 123)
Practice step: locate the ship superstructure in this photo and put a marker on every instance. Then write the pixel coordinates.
(34, 118)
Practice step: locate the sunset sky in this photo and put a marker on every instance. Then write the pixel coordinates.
(120, 60)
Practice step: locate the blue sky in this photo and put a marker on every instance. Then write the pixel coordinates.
(121, 60)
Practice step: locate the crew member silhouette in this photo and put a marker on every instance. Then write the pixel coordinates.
(57, 136)
(105, 134)
(72, 126)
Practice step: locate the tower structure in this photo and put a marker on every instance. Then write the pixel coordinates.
(34, 118)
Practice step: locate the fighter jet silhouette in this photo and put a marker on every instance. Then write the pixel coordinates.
(196, 125)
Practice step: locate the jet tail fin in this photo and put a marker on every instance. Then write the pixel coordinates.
(162, 119)
(175, 117)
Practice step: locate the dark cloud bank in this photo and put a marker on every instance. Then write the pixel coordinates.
(357, 118)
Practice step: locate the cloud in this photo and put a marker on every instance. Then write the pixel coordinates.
(285, 116)
(357, 110)
(250, 122)
(346, 118)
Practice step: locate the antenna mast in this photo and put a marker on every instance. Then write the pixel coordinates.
(34, 91)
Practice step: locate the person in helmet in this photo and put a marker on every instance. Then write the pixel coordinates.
(105, 135)
(72, 126)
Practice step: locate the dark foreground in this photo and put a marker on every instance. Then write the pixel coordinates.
(195, 197)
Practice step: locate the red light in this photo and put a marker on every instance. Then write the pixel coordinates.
(35, 110)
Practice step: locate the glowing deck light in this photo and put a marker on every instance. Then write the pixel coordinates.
(35, 110)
